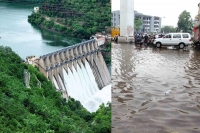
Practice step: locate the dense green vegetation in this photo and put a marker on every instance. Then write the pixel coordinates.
(185, 22)
(80, 18)
(106, 52)
(137, 24)
(23, 1)
(168, 29)
(41, 110)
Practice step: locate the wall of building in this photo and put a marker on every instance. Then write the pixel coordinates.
(160, 20)
(150, 23)
(115, 20)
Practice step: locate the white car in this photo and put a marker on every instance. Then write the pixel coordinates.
(174, 39)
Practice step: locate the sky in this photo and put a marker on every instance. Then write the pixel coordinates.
(168, 10)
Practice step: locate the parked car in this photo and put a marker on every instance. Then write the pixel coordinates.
(174, 39)
(161, 35)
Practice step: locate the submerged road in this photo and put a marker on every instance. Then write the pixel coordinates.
(140, 78)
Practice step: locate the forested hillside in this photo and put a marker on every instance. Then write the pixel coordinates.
(23, 1)
(41, 110)
(80, 18)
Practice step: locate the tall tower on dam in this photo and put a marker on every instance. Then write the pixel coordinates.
(126, 21)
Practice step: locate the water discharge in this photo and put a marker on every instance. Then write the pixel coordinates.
(81, 85)
(101, 96)
(91, 77)
(55, 83)
(140, 78)
(60, 80)
(77, 83)
(82, 81)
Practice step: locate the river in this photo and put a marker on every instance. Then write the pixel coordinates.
(26, 40)
(140, 78)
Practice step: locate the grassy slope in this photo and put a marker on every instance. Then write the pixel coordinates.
(41, 109)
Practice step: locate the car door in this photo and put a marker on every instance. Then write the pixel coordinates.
(186, 38)
(176, 39)
(166, 39)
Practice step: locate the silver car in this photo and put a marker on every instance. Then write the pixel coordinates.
(174, 39)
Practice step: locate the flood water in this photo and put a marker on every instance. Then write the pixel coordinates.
(140, 78)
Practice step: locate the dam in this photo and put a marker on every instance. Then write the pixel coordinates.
(78, 71)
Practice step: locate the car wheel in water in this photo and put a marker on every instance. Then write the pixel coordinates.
(181, 45)
(158, 44)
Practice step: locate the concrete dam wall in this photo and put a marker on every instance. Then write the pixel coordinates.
(78, 69)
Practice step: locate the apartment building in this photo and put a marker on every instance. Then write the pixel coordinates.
(115, 18)
(149, 23)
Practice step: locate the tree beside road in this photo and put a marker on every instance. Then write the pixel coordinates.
(167, 29)
(137, 24)
(185, 22)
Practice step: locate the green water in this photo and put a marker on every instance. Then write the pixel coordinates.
(25, 39)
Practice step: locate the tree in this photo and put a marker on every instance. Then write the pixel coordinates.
(185, 22)
(87, 15)
(168, 29)
(137, 24)
(42, 110)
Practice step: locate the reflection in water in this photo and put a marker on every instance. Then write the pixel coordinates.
(141, 76)
(57, 39)
(25, 39)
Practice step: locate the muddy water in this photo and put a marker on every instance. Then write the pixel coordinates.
(140, 78)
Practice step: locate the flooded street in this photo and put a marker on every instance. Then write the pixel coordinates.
(140, 78)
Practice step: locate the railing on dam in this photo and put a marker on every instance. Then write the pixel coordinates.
(70, 59)
(69, 47)
(66, 62)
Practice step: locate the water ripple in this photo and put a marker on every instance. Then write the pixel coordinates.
(140, 78)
